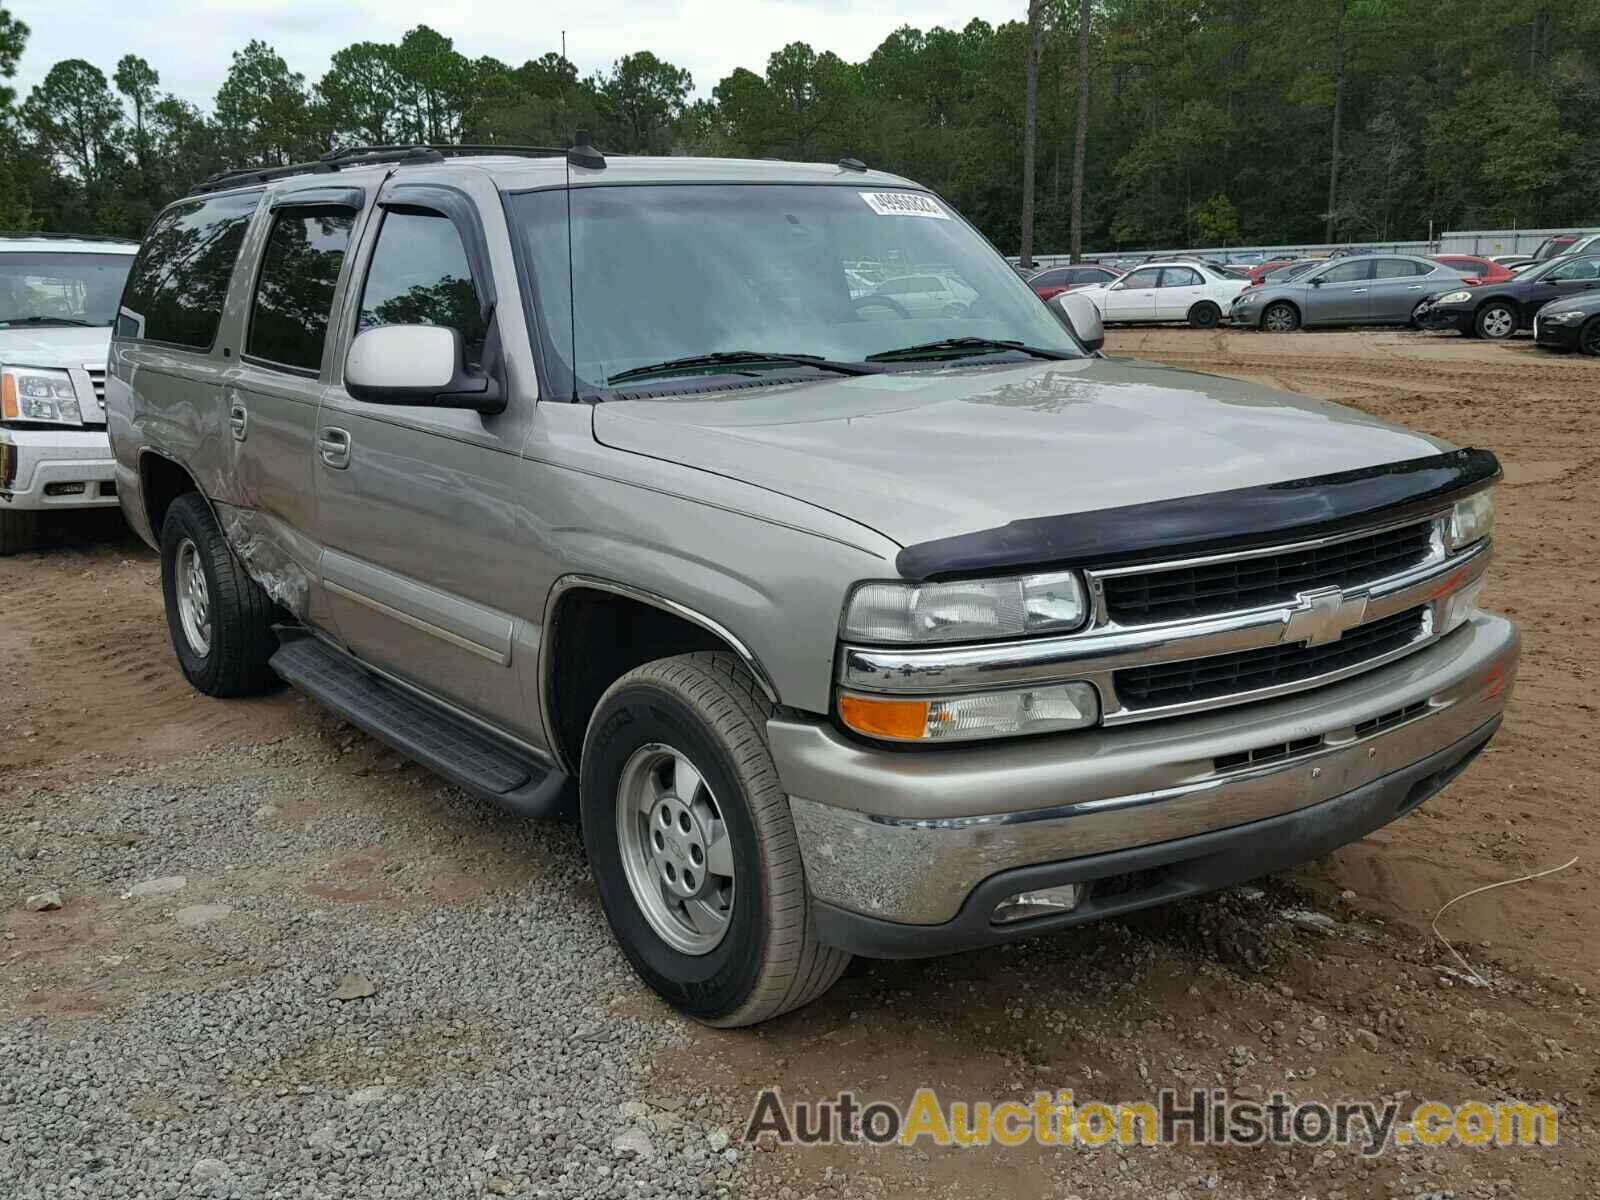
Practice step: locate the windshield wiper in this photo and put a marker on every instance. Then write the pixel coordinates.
(740, 358)
(48, 321)
(963, 347)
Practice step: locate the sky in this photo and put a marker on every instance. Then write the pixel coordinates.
(190, 42)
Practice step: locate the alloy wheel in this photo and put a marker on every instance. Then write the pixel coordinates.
(675, 847)
(1497, 322)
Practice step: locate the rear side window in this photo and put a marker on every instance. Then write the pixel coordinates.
(1180, 277)
(180, 279)
(1404, 268)
(419, 275)
(294, 290)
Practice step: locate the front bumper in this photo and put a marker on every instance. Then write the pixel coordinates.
(56, 468)
(906, 838)
(1556, 335)
(1459, 317)
(1245, 316)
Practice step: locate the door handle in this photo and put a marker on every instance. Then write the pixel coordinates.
(334, 447)
(1415, 287)
(238, 420)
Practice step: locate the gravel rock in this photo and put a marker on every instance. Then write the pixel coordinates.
(355, 987)
(195, 915)
(164, 886)
(635, 1142)
(717, 1139)
(43, 901)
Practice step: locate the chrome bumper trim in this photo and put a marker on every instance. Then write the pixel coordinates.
(1097, 653)
(906, 836)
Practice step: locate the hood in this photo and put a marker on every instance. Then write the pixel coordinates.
(55, 345)
(930, 454)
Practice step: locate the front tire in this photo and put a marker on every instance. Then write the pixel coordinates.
(1280, 317)
(1589, 337)
(1205, 315)
(19, 530)
(220, 619)
(1495, 321)
(692, 846)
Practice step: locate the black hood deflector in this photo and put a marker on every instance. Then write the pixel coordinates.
(1190, 525)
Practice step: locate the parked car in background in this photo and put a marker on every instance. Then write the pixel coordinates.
(1555, 245)
(1365, 289)
(1171, 291)
(1261, 270)
(1052, 281)
(926, 295)
(1481, 270)
(58, 298)
(1289, 270)
(1588, 244)
(1569, 324)
(1498, 310)
(1512, 261)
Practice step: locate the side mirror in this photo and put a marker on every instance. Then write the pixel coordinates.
(420, 365)
(1315, 282)
(1079, 314)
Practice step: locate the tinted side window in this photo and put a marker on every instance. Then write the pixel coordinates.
(1052, 278)
(180, 279)
(1346, 272)
(294, 290)
(1584, 268)
(1396, 268)
(419, 276)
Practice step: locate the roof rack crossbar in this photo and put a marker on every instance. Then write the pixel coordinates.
(344, 157)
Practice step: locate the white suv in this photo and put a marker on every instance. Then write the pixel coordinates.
(58, 298)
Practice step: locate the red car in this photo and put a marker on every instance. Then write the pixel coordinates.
(1052, 281)
(1261, 270)
(1479, 270)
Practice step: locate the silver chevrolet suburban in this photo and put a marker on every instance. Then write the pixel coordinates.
(851, 623)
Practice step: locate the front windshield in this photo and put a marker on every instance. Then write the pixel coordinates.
(57, 288)
(841, 273)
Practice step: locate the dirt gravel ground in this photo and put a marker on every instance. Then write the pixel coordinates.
(190, 1042)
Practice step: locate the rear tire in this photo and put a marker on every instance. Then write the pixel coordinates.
(1205, 315)
(1495, 320)
(220, 619)
(696, 724)
(19, 530)
(1280, 317)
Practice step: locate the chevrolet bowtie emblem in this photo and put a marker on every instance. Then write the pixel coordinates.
(1322, 615)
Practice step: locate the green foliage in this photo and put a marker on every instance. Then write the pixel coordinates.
(1210, 120)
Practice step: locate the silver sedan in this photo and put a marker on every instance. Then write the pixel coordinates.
(1367, 289)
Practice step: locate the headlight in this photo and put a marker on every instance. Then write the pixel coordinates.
(966, 610)
(1470, 520)
(35, 394)
(1454, 298)
(1048, 709)
(1564, 318)
(1244, 298)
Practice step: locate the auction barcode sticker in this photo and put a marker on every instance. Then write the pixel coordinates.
(904, 204)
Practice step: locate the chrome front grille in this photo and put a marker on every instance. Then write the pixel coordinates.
(1192, 635)
(1230, 584)
(97, 377)
(1270, 667)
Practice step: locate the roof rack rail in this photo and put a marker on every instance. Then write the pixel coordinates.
(65, 237)
(343, 158)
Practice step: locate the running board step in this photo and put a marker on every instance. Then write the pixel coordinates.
(464, 754)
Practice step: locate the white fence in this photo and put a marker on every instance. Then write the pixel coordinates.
(1501, 241)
